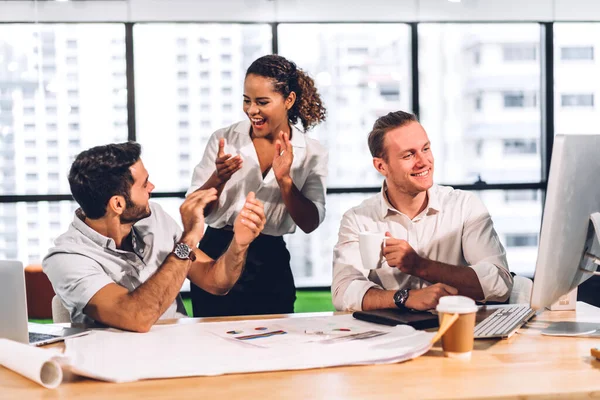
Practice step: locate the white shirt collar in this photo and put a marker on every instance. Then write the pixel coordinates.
(433, 203)
(243, 128)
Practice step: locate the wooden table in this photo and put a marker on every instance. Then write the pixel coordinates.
(528, 365)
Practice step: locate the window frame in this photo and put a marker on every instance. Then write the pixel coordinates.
(544, 56)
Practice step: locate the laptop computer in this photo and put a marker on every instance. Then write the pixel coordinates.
(13, 311)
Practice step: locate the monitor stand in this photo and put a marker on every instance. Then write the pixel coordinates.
(588, 329)
(590, 260)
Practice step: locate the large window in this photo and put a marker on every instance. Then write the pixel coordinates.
(62, 89)
(362, 71)
(576, 78)
(479, 88)
(28, 230)
(517, 218)
(58, 95)
(189, 84)
(312, 255)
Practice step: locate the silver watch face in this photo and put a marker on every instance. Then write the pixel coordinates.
(182, 251)
(400, 297)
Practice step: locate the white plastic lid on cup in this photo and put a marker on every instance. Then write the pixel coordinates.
(456, 305)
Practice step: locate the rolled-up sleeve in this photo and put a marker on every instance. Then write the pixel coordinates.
(316, 181)
(75, 279)
(350, 281)
(484, 252)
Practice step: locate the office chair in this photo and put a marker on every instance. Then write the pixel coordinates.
(59, 312)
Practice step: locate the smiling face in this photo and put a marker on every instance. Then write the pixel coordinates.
(138, 206)
(408, 164)
(266, 108)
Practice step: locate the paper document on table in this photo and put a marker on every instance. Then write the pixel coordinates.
(239, 347)
(40, 365)
(292, 331)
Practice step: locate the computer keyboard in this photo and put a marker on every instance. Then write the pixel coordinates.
(39, 337)
(503, 322)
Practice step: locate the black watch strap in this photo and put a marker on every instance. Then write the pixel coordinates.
(400, 298)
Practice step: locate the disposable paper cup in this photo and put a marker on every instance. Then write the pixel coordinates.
(457, 342)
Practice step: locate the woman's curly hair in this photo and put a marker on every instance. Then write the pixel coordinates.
(308, 107)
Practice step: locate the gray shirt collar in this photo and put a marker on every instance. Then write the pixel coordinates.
(101, 240)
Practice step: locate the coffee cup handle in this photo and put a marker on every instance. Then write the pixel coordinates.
(383, 244)
(447, 322)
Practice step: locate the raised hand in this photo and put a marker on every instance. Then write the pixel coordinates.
(226, 165)
(192, 213)
(283, 157)
(250, 221)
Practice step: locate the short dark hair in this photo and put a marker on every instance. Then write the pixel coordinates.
(101, 172)
(384, 124)
(287, 78)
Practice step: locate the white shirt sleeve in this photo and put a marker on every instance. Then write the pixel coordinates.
(206, 166)
(484, 252)
(315, 184)
(350, 281)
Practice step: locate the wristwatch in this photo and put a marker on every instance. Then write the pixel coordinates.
(184, 252)
(400, 298)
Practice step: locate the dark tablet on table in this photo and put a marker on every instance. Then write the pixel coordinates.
(390, 316)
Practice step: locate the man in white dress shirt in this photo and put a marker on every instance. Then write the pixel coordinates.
(441, 240)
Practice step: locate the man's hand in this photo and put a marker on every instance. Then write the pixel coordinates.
(226, 165)
(250, 221)
(192, 215)
(428, 298)
(399, 254)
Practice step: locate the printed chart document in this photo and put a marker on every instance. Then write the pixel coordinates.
(205, 349)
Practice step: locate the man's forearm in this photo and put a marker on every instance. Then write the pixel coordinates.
(228, 268)
(462, 278)
(376, 299)
(150, 300)
(212, 182)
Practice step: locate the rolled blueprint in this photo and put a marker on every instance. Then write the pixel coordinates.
(39, 365)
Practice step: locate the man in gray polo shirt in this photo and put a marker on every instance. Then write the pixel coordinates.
(123, 260)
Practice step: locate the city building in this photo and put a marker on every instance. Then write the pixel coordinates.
(63, 88)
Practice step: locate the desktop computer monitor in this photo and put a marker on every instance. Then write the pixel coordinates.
(569, 251)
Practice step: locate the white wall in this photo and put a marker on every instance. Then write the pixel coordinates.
(301, 10)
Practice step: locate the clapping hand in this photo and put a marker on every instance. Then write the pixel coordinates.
(226, 165)
(250, 222)
(192, 213)
(283, 157)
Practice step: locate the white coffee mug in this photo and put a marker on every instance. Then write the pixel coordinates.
(371, 249)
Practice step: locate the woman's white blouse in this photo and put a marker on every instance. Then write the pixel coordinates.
(308, 172)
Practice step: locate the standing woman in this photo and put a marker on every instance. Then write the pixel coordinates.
(269, 155)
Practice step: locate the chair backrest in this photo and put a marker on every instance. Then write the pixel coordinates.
(521, 291)
(59, 313)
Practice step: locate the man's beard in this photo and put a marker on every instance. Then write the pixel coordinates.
(133, 213)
